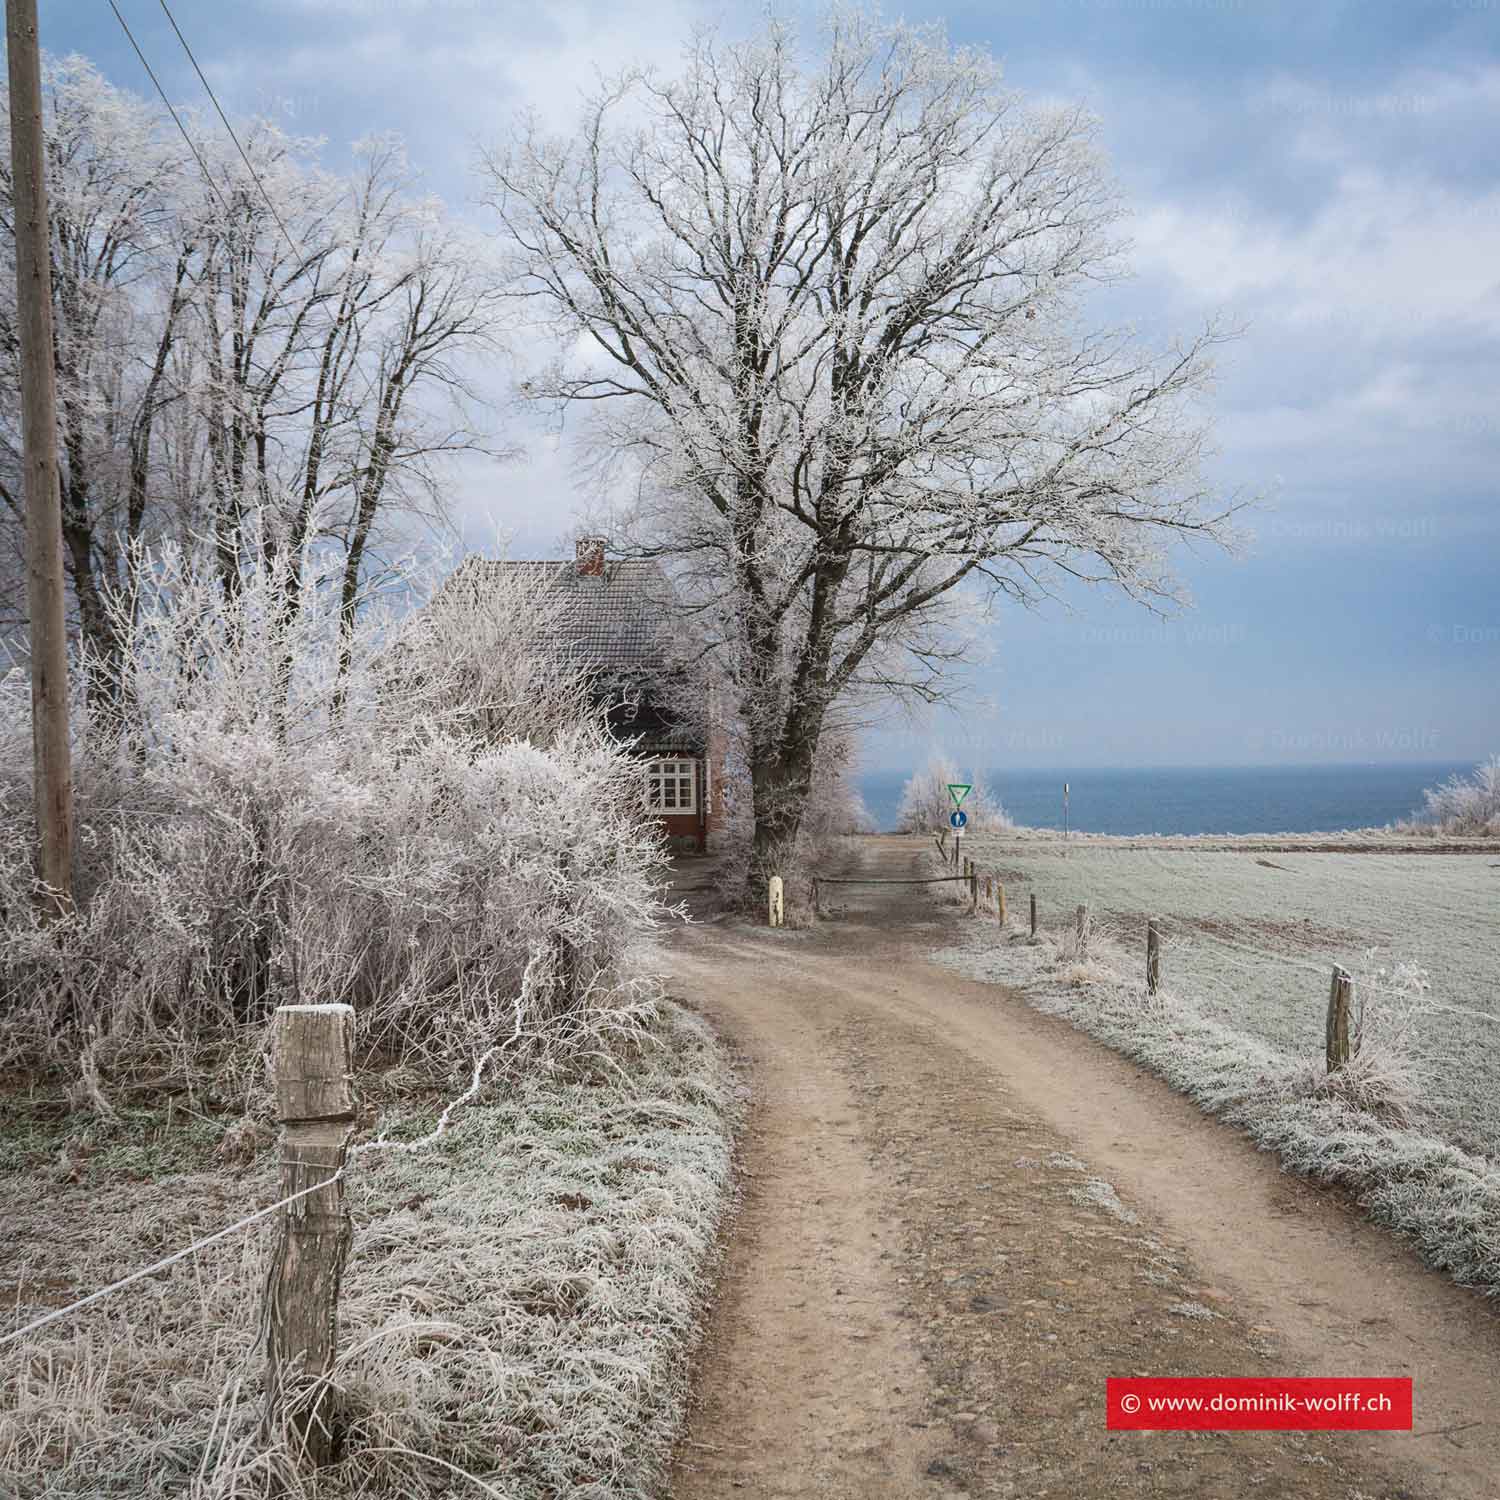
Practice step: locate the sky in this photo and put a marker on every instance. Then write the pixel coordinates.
(1322, 171)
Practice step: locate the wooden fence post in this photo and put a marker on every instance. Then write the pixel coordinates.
(312, 1066)
(1153, 956)
(988, 887)
(1000, 901)
(1033, 914)
(1340, 1002)
(1081, 927)
(817, 904)
(776, 911)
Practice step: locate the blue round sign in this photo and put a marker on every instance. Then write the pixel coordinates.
(959, 819)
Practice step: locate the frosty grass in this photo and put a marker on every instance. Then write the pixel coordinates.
(519, 1302)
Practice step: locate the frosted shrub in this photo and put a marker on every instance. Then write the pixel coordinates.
(287, 813)
(926, 805)
(1383, 1075)
(1469, 806)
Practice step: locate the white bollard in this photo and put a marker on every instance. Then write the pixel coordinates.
(775, 913)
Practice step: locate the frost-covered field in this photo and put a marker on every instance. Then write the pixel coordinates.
(519, 1303)
(1250, 942)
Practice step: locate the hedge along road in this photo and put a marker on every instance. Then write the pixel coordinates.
(959, 1216)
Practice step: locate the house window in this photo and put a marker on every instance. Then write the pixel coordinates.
(672, 786)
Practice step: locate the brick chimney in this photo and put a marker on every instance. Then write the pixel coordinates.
(590, 557)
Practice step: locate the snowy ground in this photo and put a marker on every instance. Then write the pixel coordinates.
(518, 1306)
(1250, 942)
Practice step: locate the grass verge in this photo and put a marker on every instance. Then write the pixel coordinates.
(518, 1308)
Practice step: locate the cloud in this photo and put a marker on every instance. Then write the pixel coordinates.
(1386, 258)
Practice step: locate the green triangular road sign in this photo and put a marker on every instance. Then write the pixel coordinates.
(958, 790)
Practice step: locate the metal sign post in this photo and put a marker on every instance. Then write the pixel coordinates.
(957, 821)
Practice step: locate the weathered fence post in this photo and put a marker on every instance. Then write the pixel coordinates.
(1000, 901)
(1340, 1002)
(312, 1067)
(1153, 955)
(817, 904)
(988, 888)
(776, 912)
(1081, 927)
(1033, 914)
(974, 886)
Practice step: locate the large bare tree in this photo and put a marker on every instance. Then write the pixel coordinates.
(827, 315)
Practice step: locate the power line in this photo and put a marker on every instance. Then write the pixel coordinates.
(207, 175)
(230, 128)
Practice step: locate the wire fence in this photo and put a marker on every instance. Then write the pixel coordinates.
(380, 1143)
(1259, 996)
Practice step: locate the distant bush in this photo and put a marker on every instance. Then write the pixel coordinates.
(926, 805)
(1467, 806)
(279, 811)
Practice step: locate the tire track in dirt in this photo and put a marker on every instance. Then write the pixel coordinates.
(810, 1382)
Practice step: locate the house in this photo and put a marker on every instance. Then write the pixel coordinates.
(618, 619)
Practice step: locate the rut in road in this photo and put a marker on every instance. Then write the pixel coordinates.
(959, 1216)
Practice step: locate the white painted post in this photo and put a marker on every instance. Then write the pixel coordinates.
(777, 911)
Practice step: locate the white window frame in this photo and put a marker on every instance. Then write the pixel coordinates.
(681, 772)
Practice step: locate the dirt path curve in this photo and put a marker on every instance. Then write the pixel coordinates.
(959, 1216)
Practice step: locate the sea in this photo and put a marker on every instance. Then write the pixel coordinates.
(1198, 799)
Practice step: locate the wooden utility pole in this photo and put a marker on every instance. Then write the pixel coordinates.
(312, 1066)
(51, 769)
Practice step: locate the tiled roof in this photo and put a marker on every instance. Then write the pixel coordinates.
(616, 623)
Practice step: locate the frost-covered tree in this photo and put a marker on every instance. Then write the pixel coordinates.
(121, 270)
(1467, 805)
(926, 804)
(235, 337)
(827, 314)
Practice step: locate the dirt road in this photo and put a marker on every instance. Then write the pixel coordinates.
(959, 1216)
